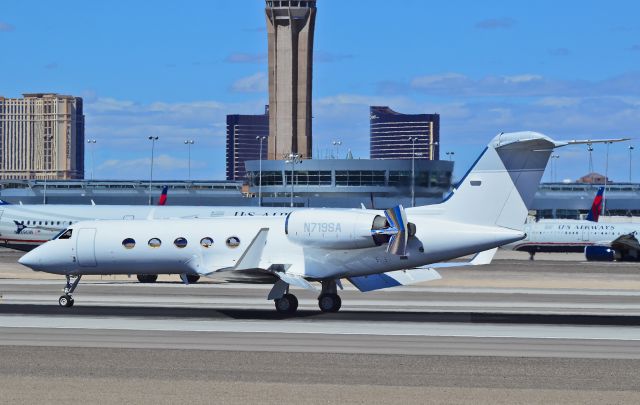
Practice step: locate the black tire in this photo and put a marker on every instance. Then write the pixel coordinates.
(192, 278)
(287, 305)
(70, 302)
(64, 301)
(329, 302)
(147, 278)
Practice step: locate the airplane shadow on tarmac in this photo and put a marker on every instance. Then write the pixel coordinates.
(343, 315)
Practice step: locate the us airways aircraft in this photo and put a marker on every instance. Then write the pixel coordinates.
(599, 241)
(372, 249)
(23, 227)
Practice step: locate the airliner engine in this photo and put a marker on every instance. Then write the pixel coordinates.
(336, 229)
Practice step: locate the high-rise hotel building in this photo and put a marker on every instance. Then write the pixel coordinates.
(41, 137)
(392, 134)
(247, 136)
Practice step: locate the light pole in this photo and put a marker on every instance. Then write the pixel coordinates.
(590, 149)
(553, 167)
(450, 155)
(92, 143)
(293, 159)
(189, 142)
(153, 140)
(413, 140)
(261, 139)
(606, 178)
(631, 148)
(337, 143)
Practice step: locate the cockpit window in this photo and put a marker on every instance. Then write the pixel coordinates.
(66, 234)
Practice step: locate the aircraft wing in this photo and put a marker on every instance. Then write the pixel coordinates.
(626, 242)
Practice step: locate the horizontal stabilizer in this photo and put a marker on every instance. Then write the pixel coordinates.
(393, 279)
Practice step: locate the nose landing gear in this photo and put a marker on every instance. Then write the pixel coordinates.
(66, 300)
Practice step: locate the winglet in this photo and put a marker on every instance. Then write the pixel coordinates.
(250, 258)
(484, 257)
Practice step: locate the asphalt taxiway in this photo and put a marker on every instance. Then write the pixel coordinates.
(511, 332)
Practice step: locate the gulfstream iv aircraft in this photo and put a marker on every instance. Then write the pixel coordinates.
(372, 249)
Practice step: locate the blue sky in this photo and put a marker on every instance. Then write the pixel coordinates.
(569, 69)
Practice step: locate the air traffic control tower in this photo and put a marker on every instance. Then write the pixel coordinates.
(290, 25)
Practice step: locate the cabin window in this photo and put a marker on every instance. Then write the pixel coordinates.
(39, 222)
(154, 242)
(129, 243)
(206, 242)
(58, 223)
(180, 242)
(233, 242)
(66, 234)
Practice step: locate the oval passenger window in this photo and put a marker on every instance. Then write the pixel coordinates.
(180, 242)
(128, 243)
(206, 242)
(154, 242)
(233, 241)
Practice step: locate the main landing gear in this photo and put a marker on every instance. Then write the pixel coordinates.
(66, 300)
(287, 303)
(329, 300)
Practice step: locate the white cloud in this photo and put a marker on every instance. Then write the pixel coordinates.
(256, 83)
(522, 78)
(558, 101)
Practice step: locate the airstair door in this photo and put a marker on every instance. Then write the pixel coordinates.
(86, 247)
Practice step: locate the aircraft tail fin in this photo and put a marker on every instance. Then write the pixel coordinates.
(498, 189)
(163, 196)
(596, 206)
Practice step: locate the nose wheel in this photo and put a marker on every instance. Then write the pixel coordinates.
(66, 300)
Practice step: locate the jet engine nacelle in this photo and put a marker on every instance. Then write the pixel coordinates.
(335, 229)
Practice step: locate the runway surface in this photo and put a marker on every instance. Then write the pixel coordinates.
(514, 332)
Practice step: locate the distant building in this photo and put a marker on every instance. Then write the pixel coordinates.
(593, 178)
(41, 137)
(290, 26)
(243, 141)
(390, 132)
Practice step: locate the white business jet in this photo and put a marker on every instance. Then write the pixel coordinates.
(372, 249)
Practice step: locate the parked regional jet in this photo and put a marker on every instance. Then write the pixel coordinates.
(599, 241)
(372, 249)
(24, 227)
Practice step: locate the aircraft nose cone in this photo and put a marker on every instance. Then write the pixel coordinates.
(30, 260)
